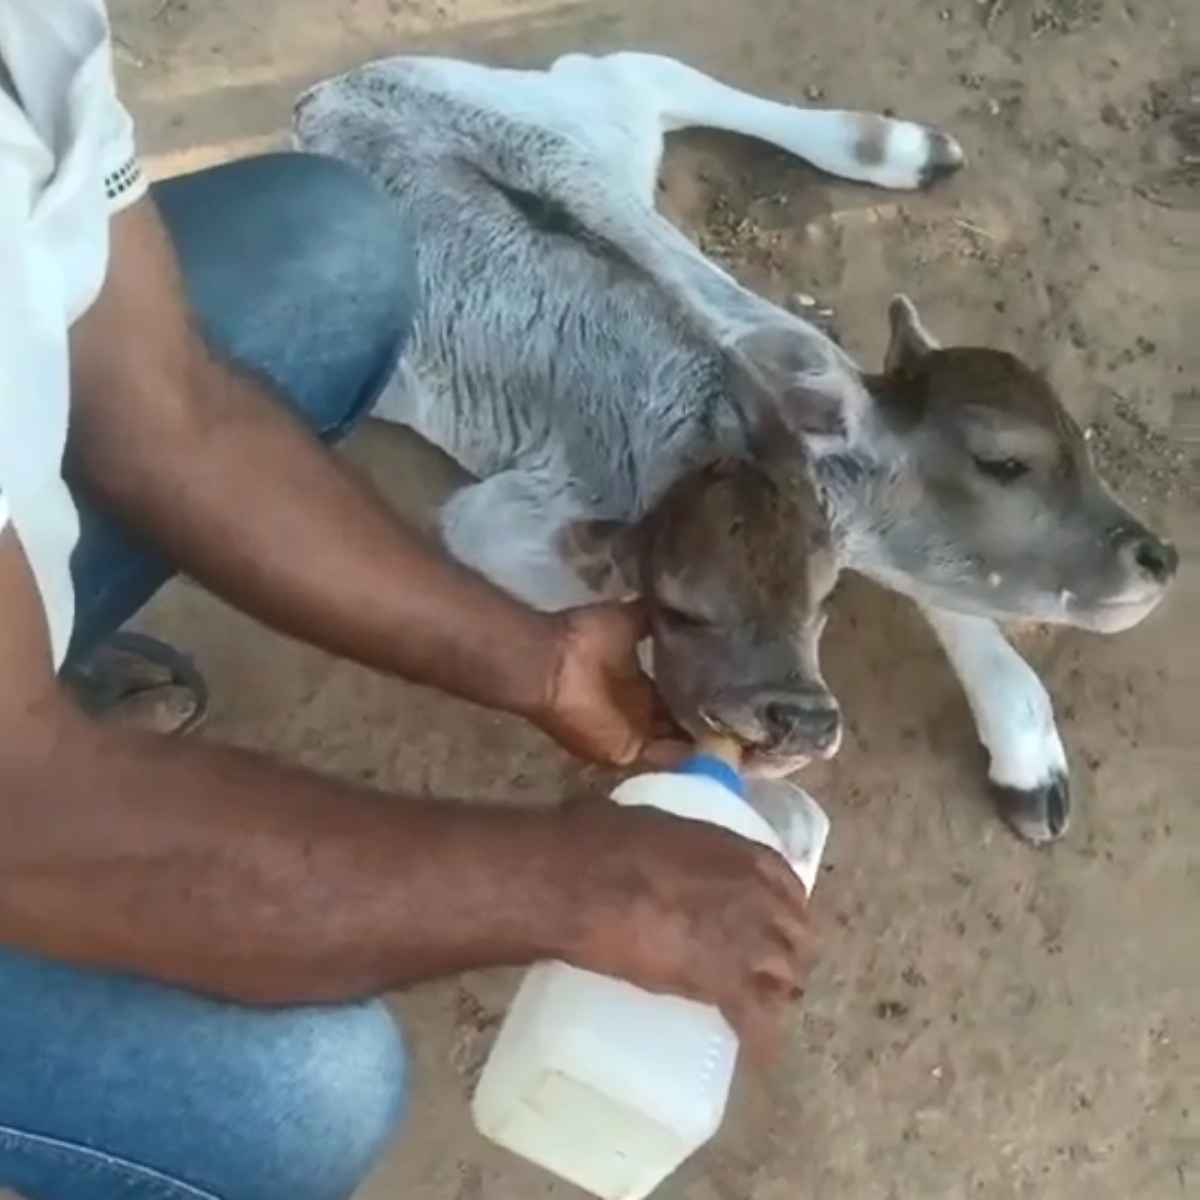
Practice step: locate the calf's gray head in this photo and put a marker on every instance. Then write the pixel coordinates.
(736, 563)
(970, 487)
(1003, 513)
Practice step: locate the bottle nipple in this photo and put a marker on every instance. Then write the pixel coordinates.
(718, 758)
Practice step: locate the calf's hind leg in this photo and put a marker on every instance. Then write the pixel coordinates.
(861, 146)
(604, 172)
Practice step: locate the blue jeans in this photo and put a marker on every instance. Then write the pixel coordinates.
(114, 1088)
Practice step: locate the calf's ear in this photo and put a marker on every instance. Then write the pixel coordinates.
(604, 553)
(909, 342)
(783, 396)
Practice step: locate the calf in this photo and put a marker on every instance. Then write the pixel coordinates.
(580, 356)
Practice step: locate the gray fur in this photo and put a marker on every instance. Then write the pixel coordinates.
(546, 312)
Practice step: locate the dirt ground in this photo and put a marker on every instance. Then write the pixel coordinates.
(989, 1021)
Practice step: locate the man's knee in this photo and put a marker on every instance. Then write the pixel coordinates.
(352, 252)
(161, 1084)
(350, 241)
(301, 269)
(331, 1094)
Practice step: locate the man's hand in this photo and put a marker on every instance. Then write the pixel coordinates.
(690, 909)
(599, 703)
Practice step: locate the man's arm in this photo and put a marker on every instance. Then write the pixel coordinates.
(226, 872)
(210, 468)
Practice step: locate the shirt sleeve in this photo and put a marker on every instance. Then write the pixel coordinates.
(124, 180)
(34, 398)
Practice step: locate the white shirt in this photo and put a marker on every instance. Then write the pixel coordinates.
(67, 164)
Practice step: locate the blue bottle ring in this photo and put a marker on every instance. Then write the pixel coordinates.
(708, 766)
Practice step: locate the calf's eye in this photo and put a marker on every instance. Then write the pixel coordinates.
(679, 618)
(1003, 470)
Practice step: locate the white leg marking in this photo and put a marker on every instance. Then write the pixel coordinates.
(505, 530)
(1012, 709)
(864, 147)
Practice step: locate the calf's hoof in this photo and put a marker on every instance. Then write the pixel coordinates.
(1037, 815)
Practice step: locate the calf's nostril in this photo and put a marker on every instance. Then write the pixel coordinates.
(779, 717)
(1156, 558)
(817, 724)
(825, 737)
(822, 724)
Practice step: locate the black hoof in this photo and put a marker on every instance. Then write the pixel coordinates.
(944, 157)
(1038, 815)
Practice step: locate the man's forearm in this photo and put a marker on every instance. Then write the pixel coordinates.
(214, 471)
(224, 872)
(246, 500)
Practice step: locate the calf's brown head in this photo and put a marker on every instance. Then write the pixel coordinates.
(736, 564)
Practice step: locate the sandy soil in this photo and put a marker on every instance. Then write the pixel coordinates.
(989, 1021)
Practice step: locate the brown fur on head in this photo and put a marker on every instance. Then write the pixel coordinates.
(736, 563)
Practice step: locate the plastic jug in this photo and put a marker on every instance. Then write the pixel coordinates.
(605, 1085)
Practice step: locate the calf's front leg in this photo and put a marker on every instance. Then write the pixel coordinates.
(1015, 721)
(505, 528)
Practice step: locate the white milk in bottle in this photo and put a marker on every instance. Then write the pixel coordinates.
(605, 1085)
